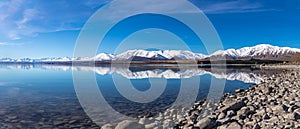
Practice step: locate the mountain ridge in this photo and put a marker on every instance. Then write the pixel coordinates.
(260, 52)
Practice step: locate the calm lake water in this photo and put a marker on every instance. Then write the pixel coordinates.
(43, 96)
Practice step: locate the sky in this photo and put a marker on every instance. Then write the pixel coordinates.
(37, 29)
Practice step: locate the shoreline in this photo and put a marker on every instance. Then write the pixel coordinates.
(273, 103)
(172, 65)
(288, 66)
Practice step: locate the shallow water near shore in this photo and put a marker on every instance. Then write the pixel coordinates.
(44, 96)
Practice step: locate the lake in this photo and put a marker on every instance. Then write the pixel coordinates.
(44, 96)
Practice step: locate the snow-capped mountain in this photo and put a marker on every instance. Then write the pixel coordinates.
(262, 51)
(28, 60)
(159, 55)
(7, 60)
(103, 57)
(25, 60)
(54, 59)
(185, 55)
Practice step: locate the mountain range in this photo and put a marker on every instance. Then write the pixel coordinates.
(259, 52)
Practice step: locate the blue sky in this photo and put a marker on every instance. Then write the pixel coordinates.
(38, 29)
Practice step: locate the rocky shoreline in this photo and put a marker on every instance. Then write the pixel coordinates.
(289, 66)
(274, 103)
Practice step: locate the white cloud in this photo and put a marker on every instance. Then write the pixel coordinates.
(15, 18)
(114, 11)
(236, 6)
(3, 43)
(28, 18)
(29, 14)
(120, 8)
(9, 10)
(19, 18)
(10, 44)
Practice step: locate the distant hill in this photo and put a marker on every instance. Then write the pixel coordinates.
(259, 52)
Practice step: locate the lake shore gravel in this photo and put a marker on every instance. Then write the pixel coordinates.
(274, 103)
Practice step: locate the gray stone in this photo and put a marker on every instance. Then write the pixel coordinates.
(234, 106)
(230, 113)
(58, 123)
(153, 125)
(107, 126)
(73, 121)
(203, 123)
(277, 109)
(239, 91)
(293, 116)
(266, 116)
(234, 125)
(167, 124)
(12, 117)
(222, 127)
(221, 115)
(127, 124)
(256, 126)
(274, 103)
(144, 121)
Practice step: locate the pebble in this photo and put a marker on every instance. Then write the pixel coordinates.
(107, 126)
(272, 104)
(127, 124)
(203, 123)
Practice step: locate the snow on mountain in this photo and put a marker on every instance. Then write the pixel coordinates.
(54, 59)
(103, 57)
(24, 60)
(28, 60)
(159, 54)
(262, 51)
(7, 60)
(128, 55)
(186, 55)
(81, 59)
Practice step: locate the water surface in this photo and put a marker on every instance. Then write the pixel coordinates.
(43, 96)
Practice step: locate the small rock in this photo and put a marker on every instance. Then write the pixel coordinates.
(58, 123)
(293, 116)
(153, 125)
(167, 124)
(266, 116)
(239, 91)
(107, 126)
(144, 121)
(256, 126)
(234, 125)
(230, 113)
(127, 124)
(203, 123)
(72, 121)
(221, 115)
